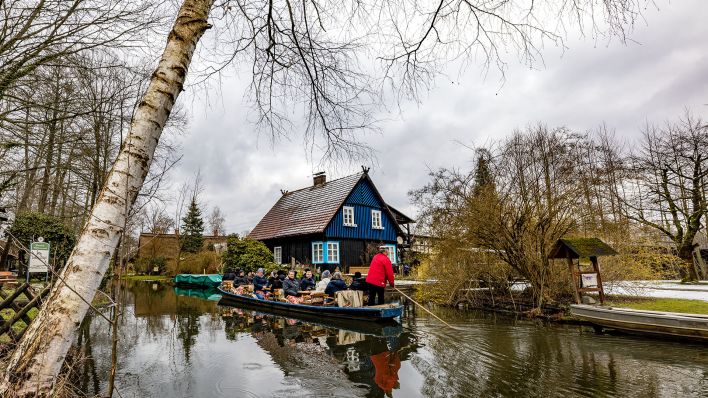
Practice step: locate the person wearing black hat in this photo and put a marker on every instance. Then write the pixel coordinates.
(358, 283)
(229, 275)
(276, 281)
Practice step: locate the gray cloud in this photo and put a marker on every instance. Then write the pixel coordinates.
(649, 79)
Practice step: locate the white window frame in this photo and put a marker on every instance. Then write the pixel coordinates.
(348, 216)
(318, 248)
(332, 247)
(391, 253)
(278, 254)
(376, 216)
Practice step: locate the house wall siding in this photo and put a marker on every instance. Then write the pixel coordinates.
(352, 252)
(363, 200)
(299, 247)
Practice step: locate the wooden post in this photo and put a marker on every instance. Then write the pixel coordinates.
(573, 276)
(596, 268)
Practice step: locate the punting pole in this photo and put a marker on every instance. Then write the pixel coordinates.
(423, 307)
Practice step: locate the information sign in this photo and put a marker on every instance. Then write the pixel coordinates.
(39, 258)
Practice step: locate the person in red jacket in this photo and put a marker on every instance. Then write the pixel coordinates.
(380, 271)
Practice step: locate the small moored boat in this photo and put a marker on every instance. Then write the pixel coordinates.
(199, 281)
(672, 324)
(385, 312)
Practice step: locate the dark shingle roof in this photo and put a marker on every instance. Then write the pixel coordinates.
(305, 211)
(581, 247)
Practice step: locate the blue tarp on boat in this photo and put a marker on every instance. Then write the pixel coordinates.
(209, 280)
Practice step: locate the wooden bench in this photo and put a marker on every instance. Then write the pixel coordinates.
(7, 277)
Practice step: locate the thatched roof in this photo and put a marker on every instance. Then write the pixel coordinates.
(581, 247)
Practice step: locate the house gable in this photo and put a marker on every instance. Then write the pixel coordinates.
(363, 199)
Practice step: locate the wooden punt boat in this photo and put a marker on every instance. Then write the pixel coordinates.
(667, 324)
(378, 313)
(385, 328)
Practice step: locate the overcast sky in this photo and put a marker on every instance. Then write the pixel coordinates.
(651, 79)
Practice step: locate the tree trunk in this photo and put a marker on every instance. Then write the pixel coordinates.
(38, 359)
(699, 264)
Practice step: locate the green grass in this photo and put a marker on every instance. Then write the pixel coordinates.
(660, 304)
(18, 326)
(145, 277)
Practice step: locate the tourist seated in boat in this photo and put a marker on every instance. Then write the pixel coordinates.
(259, 283)
(358, 283)
(336, 284)
(322, 284)
(250, 276)
(276, 279)
(308, 281)
(228, 275)
(290, 285)
(241, 279)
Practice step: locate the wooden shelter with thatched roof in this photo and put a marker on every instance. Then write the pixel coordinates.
(576, 248)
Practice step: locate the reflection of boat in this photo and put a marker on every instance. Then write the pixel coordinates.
(389, 328)
(210, 294)
(374, 313)
(690, 326)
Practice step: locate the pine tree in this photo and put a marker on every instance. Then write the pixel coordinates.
(192, 238)
(483, 178)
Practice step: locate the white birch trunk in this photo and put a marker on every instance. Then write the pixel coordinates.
(38, 358)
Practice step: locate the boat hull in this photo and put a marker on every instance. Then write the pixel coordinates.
(668, 324)
(372, 314)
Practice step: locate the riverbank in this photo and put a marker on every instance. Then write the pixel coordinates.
(659, 304)
(147, 278)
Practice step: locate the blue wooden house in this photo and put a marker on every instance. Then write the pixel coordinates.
(330, 224)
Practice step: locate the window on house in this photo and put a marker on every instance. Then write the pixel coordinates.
(376, 219)
(391, 253)
(278, 254)
(333, 252)
(317, 253)
(348, 216)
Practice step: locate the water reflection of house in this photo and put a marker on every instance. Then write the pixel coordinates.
(332, 224)
(166, 246)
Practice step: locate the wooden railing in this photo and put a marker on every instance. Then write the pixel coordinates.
(16, 305)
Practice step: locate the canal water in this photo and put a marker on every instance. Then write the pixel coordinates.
(181, 343)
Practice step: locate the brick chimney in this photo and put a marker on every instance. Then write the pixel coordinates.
(216, 231)
(319, 178)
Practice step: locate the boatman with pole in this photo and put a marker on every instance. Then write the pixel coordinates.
(380, 271)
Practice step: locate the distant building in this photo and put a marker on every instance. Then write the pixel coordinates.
(167, 245)
(331, 224)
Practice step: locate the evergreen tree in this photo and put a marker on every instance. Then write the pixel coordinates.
(192, 238)
(483, 178)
